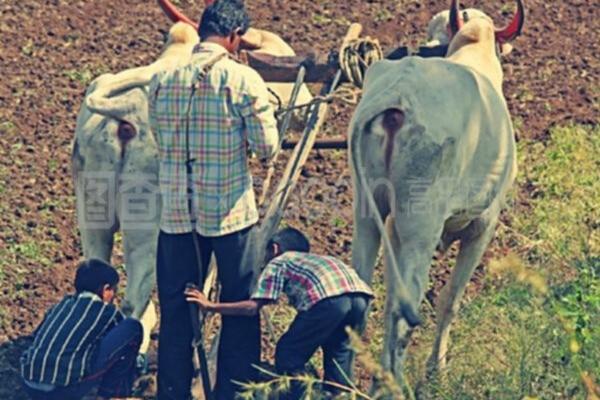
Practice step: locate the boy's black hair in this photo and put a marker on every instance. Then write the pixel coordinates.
(290, 239)
(93, 274)
(224, 17)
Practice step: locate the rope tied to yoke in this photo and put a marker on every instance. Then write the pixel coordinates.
(357, 56)
(354, 58)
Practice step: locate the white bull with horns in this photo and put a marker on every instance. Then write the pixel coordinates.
(432, 155)
(115, 161)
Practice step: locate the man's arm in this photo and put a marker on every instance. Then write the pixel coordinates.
(259, 117)
(241, 308)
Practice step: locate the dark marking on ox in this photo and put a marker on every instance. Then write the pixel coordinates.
(393, 119)
(125, 133)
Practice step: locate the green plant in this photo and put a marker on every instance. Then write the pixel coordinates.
(81, 76)
(562, 179)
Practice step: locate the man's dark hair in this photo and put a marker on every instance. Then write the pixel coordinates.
(290, 239)
(224, 17)
(93, 274)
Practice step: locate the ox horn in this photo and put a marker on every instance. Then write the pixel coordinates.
(515, 27)
(174, 14)
(455, 21)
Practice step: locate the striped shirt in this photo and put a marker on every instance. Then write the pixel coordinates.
(230, 114)
(66, 340)
(307, 279)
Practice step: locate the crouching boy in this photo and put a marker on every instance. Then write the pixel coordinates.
(84, 342)
(328, 295)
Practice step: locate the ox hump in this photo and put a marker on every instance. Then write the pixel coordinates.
(182, 33)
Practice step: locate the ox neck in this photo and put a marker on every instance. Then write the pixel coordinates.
(482, 59)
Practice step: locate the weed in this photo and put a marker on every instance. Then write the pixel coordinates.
(28, 48)
(7, 127)
(52, 165)
(338, 222)
(319, 19)
(81, 76)
(383, 15)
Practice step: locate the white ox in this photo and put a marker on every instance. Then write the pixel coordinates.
(432, 152)
(115, 161)
(115, 156)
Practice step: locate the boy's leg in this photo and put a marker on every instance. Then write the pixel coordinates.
(338, 355)
(115, 361)
(310, 330)
(73, 392)
(176, 266)
(239, 346)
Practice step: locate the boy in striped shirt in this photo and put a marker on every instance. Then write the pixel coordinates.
(83, 342)
(328, 295)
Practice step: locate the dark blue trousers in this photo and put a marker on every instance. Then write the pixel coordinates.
(323, 325)
(239, 346)
(114, 367)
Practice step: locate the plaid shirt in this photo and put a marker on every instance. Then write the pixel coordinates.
(230, 112)
(307, 279)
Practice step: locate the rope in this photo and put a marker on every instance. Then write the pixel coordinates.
(357, 56)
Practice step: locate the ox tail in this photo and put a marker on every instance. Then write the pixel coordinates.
(100, 101)
(408, 310)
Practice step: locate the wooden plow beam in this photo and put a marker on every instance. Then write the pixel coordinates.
(255, 251)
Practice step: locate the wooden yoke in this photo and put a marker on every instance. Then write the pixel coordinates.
(319, 67)
(255, 250)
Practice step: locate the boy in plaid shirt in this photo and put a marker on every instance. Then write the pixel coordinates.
(328, 295)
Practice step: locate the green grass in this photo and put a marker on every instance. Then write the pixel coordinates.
(563, 176)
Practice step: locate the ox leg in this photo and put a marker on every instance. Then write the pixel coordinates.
(414, 241)
(97, 243)
(97, 237)
(140, 261)
(474, 240)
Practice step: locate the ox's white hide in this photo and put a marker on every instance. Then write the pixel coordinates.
(105, 175)
(451, 163)
(456, 126)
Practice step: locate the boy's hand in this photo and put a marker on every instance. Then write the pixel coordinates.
(196, 296)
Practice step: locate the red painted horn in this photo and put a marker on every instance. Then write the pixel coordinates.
(515, 27)
(174, 14)
(456, 21)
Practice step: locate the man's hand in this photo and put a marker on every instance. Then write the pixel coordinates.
(196, 296)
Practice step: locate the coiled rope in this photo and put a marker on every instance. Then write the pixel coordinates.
(357, 56)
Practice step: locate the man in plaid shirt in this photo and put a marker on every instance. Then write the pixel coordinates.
(328, 295)
(216, 120)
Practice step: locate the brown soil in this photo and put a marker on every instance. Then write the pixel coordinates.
(51, 48)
